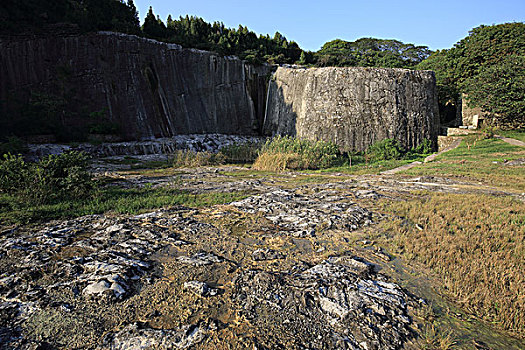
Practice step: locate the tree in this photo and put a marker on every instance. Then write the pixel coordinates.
(153, 27)
(500, 89)
(486, 66)
(371, 52)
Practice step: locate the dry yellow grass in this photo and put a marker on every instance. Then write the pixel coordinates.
(475, 244)
(276, 161)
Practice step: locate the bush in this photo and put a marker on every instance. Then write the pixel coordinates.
(385, 150)
(13, 145)
(53, 178)
(191, 159)
(424, 147)
(284, 152)
(241, 153)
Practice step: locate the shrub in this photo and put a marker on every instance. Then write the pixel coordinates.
(385, 150)
(191, 159)
(241, 153)
(424, 147)
(52, 178)
(284, 152)
(13, 145)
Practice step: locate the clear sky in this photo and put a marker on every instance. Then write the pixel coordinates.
(438, 24)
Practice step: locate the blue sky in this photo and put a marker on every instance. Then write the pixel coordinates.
(436, 24)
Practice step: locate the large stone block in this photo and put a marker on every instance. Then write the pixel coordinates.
(353, 106)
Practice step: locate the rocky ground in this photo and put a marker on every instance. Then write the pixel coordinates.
(291, 266)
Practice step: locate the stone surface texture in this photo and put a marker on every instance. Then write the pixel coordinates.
(150, 89)
(353, 107)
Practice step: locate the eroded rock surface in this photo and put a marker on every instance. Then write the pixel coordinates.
(274, 270)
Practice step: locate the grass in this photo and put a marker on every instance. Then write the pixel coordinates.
(192, 159)
(475, 244)
(479, 160)
(518, 134)
(284, 152)
(110, 200)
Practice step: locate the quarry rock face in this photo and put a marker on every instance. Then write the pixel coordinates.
(150, 89)
(353, 106)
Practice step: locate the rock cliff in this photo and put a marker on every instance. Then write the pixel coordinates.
(148, 88)
(151, 89)
(353, 107)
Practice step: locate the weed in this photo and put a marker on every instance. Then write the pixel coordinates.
(385, 150)
(433, 339)
(53, 178)
(241, 153)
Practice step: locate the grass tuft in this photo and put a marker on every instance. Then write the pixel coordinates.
(192, 159)
(284, 152)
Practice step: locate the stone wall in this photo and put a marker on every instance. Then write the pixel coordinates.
(150, 89)
(353, 107)
(471, 116)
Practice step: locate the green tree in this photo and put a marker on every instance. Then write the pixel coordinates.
(500, 89)
(486, 66)
(371, 52)
(153, 27)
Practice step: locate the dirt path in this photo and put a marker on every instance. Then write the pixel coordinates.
(430, 158)
(508, 140)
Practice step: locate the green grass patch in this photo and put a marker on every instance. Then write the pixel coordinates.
(513, 134)
(110, 200)
(479, 160)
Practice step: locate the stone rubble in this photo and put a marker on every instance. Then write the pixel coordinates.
(133, 337)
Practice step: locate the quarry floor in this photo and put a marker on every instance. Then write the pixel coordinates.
(298, 263)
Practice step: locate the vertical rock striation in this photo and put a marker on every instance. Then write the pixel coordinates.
(353, 107)
(150, 89)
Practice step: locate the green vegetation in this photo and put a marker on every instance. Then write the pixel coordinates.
(385, 150)
(284, 152)
(241, 153)
(192, 159)
(89, 15)
(479, 159)
(192, 31)
(518, 134)
(109, 199)
(475, 244)
(12, 145)
(489, 66)
(52, 179)
(370, 52)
